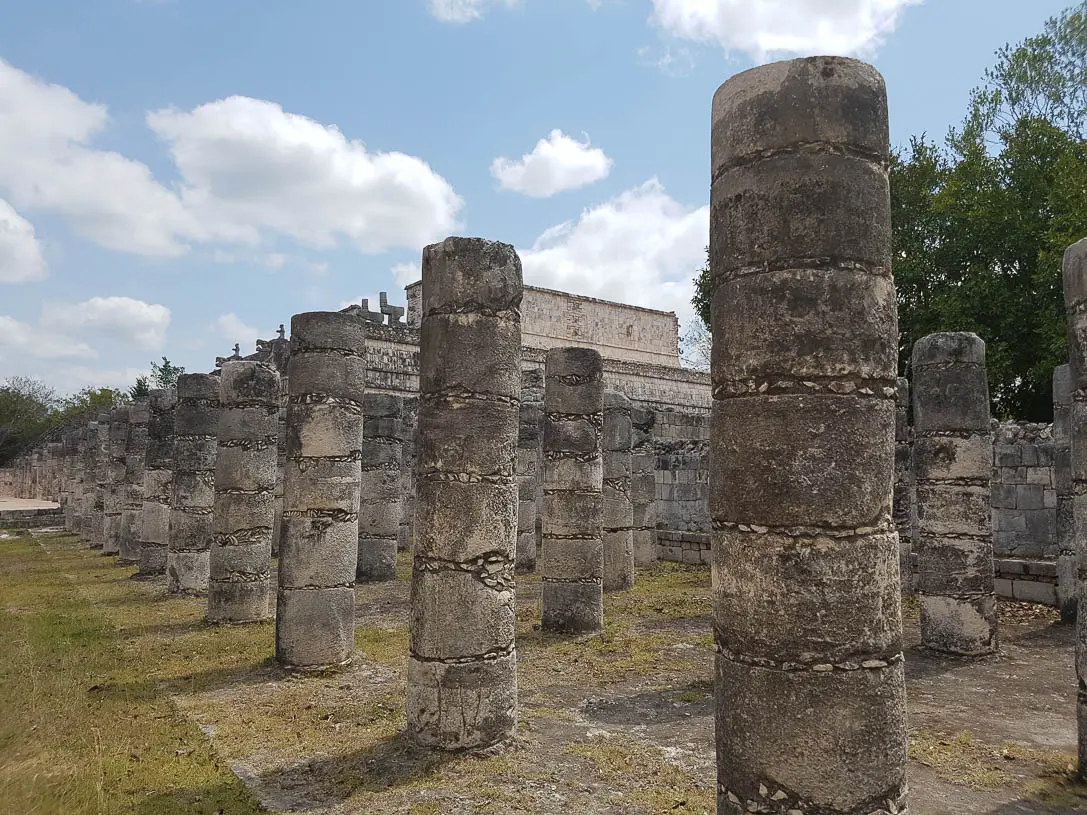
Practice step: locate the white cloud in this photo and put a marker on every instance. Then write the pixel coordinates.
(555, 164)
(19, 340)
(763, 27)
(71, 378)
(463, 11)
(21, 258)
(233, 329)
(120, 318)
(247, 170)
(248, 167)
(405, 273)
(642, 247)
(48, 164)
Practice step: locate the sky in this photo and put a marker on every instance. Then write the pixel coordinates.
(180, 175)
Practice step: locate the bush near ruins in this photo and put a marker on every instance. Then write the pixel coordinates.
(981, 220)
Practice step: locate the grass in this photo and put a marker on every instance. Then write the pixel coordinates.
(79, 733)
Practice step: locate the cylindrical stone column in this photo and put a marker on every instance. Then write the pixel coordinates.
(462, 669)
(903, 485)
(281, 448)
(139, 414)
(100, 478)
(810, 691)
(379, 505)
(643, 485)
(618, 521)
(572, 552)
(952, 467)
(114, 496)
(1062, 478)
(318, 549)
(406, 533)
(1075, 301)
(529, 425)
(240, 563)
(158, 476)
(192, 494)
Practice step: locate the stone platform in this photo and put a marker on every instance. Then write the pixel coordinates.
(25, 513)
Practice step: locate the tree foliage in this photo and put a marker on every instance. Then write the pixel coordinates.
(165, 375)
(981, 221)
(26, 406)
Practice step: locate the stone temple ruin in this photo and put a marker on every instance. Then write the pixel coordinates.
(492, 428)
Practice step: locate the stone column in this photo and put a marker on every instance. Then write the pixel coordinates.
(281, 462)
(379, 507)
(114, 495)
(572, 554)
(618, 521)
(903, 483)
(139, 414)
(643, 485)
(1075, 300)
(952, 467)
(810, 691)
(158, 481)
(462, 670)
(528, 477)
(192, 495)
(315, 617)
(100, 478)
(406, 533)
(1062, 477)
(240, 562)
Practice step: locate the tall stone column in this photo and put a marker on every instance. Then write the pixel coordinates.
(810, 689)
(318, 550)
(572, 553)
(406, 533)
(643, 485)
(529, 425)
(952, 467)
(114, 496)
(139, 414)
(901, 508)
(462, 669)
(1062, 477)
(1075, 301)
(379, 507)
(100, 479)
(281, 458)
(618, 521)
(158, 482)
(240, 563)
(192, 494)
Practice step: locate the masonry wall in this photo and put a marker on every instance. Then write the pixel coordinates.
(7, 482)
(1024, 495)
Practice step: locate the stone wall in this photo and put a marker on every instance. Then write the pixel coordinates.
(681, 443)
(1024, 495)
(551, 319)
(7, 481)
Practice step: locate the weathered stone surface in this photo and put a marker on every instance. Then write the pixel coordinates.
(192, 488)
(618, 518)
(1075, 302)
(952, 468)
(114, 494)
(318, 549)
(462, 678)
(379, 508)
(809, 681)
(529, 451)
(572, 553)
(245, 480)
(157, 484)
(1062, 476)
(139, 415)
(643, 486)
(101, 483)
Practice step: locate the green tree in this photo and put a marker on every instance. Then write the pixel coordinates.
(140, 390)
(26, 406)
(165, 375)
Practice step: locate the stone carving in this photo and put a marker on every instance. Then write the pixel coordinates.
(318, 548)
(572, 551)
(462, 669)
(810, 695)
(643, 485)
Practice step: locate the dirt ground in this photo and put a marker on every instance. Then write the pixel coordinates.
(616, 723)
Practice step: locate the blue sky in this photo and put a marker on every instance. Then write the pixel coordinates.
(180, 175)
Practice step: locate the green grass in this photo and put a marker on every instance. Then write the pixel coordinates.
(77, 734)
